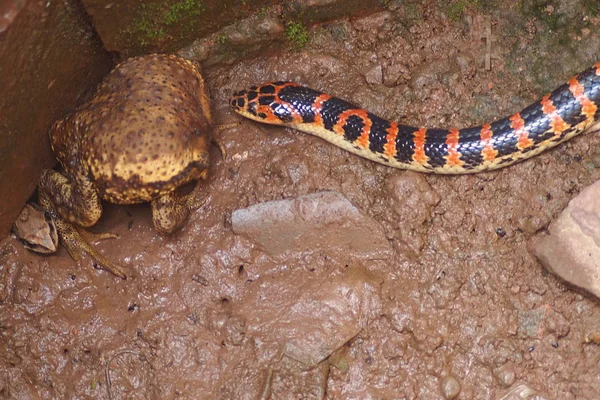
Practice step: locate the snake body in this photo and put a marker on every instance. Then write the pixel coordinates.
(566, 112)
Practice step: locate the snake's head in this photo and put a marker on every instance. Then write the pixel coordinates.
(264, 104)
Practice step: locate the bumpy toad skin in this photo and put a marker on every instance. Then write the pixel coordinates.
(146, 132)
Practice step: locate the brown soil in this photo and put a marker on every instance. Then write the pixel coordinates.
(460, 304)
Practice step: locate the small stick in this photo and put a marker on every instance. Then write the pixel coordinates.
(107, 370)
(488, 43)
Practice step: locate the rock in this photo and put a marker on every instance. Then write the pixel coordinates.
(373, 21)
(450, 387)
(572, 248)
(318, 221)
(374, 76)
(412, 197)
(505, 375)
(523, 392)
(393, 74)
(428, 75)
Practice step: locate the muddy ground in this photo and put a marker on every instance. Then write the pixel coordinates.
(457, 305)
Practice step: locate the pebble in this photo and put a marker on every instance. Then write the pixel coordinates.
(374, 76)
(523, 392)
(505, 376)
(394, 73)
(450, 387)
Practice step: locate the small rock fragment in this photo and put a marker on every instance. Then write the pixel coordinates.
(505, 375)
(374, 76)
(331, 314)
(572, 249)
(523, 392)
(318, 221)
(450, 387)
(393, 74)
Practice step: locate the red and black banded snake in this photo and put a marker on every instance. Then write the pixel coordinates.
(566, 112)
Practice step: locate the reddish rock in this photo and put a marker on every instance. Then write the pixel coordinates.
(572, 249)
(49, 58)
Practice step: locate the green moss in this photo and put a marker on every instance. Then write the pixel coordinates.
(221, 39)
(154, 19)
(539, 9)
(297, 34)
(262, 13)
(181, 9)
(592, 8)
(413, 12)
(458, 8)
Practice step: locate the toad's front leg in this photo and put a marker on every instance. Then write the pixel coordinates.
(171, 210)
(72, 204)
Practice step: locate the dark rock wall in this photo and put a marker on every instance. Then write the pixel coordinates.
(50, 58)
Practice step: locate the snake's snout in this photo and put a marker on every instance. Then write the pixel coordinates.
(263, 103)
(239, 100)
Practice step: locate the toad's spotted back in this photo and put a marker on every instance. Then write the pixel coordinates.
(145, 131)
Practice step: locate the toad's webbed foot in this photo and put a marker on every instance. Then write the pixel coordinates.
(96, 237)
(75, 242)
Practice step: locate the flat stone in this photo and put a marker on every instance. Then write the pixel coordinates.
(314, 222)
(572, 248)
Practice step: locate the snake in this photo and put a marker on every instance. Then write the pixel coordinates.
(567, 111)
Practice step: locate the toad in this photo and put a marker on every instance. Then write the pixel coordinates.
(145, 133)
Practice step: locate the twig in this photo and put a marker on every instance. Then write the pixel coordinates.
(488, 43)
(107, 369)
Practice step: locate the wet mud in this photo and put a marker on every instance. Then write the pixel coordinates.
(455, 307)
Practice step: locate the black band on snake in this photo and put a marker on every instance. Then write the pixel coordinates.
(566, 112)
